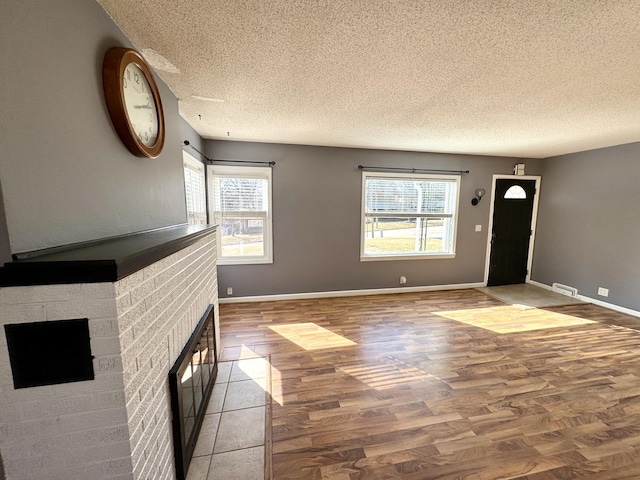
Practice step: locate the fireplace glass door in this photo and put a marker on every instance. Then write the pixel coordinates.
(191, 380)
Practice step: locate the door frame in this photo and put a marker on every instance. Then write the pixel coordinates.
(534, 219)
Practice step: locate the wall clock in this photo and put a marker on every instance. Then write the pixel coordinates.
(133, 101)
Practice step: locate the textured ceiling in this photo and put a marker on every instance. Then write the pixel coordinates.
(521, 78)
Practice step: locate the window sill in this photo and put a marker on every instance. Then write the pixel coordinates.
(244, 261)
(384, 258)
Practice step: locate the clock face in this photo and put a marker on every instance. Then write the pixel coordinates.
(139, 104)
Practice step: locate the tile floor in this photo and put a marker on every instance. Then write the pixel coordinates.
(231, 444)
(528, 295)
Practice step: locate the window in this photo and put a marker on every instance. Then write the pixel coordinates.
(240, 203)
(194, 190)
(408, 216)
(515, 191)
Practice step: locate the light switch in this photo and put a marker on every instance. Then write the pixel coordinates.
(478, 228)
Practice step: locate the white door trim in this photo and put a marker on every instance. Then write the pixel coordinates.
(534, 219)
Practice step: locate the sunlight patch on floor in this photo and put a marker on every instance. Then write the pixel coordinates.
(513, 318)
(311, 336)
(385, 376)
(276, 386)
(263, 373)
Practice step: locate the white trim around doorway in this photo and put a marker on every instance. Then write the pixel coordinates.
(534, 219)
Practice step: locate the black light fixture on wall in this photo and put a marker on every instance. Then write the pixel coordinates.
(479, 194)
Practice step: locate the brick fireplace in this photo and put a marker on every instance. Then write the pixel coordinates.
(143, 296)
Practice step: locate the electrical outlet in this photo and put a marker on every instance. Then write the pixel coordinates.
(229, 290)
(403, 279)
(604, 292)
(478, 228)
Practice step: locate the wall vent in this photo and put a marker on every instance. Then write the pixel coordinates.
(565, 290)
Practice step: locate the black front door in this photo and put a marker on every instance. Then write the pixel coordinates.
(512, 213)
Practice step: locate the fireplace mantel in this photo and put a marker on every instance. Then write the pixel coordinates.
(106, 260)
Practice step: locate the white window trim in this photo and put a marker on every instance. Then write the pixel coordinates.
(259, 172)
(404, 256)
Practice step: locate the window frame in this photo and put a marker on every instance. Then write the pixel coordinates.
(368, 257)
(189, 162)
(214, 171)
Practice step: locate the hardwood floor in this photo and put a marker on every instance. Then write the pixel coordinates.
(424, 386)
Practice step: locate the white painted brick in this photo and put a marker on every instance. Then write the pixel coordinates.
(104, 327)
(104, 382)
(133, 402)
(34, 294)
(107, 400)
(4, 355)
(146, 322)
(25, 432)
(96, 440)
(129, 374)
(127, 338)
(56, 406)
(95, 419)
(108, 364)
(108, 435)
(135, 435)
(10, 413)
(17, 451)
(130, 317)
(137, 456)
(107, 470)
(123, 303)
(94, 308)
(142, 291)
(124, 476)
(129, 282)
(152, 270)
(6, 378)
(105, 346)
(9, 394)
(22, 313)
(97, 290)
(132, 387)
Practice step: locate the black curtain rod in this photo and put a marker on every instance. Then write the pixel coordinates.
(216, 160)
(412, 170)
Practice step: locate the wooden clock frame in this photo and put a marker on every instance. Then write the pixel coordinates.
(115, 61)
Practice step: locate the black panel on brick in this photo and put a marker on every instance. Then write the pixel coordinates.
(48, 353)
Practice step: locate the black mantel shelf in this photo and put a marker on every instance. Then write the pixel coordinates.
(106, 260)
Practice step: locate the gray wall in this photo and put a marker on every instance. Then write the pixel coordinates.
(66, 177)
(588, 226)
(188, 133)
(316, 215)
(5, 250)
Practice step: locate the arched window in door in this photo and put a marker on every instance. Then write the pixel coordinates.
(515, 192)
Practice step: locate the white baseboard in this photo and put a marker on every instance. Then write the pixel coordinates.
(349, 293)
(610, 306)
(541, 285)
(595, 301)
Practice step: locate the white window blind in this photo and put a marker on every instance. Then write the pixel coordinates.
(238, 196)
